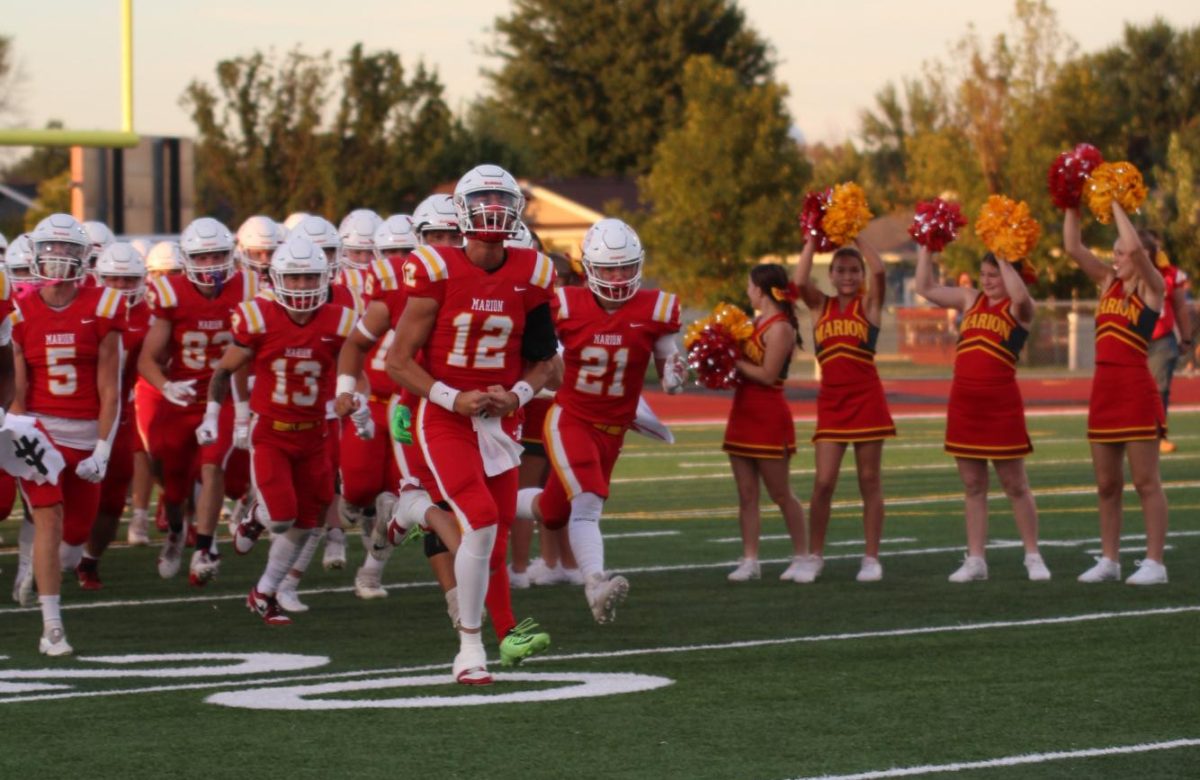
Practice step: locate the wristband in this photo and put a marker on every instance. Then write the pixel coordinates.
(241, 410)
(101, 450)
(523, 391)
(346, 384)
(443, 395)
(212, 409)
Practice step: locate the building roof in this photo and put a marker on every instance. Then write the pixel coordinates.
(594, 194)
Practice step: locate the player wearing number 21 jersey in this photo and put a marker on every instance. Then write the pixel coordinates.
(185, 342)
(291, 340)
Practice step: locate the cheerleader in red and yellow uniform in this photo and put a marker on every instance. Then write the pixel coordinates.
(760, 436)
(986, 417)
(851, 405)
(1125, 414)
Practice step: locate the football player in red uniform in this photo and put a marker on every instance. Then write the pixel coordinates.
(119, 268)
(257, 239)
(291, 339)
(482, 317)
(186, 339)
(610, 330)
(67, 361)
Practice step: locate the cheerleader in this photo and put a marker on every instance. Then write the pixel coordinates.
(986, 417)
(851, 406)
(1125, 413)
(760, 437)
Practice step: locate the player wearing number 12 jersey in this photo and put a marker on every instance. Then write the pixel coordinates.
(482, 316)
(609, 331)
(291, 340)
(185, 342)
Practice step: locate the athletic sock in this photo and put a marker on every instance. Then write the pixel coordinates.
(584, 533)
(284, 549)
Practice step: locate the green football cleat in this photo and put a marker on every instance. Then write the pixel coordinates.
(521, 642)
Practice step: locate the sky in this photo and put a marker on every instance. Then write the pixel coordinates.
(833, 56)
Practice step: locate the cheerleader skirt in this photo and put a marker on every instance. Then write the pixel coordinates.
(986, 420)
(760, 423)
(853, 412)
(1125, 405)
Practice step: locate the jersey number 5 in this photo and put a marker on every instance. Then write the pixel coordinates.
(59, 367)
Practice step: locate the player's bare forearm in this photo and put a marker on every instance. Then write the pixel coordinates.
(153, 359)
(234, 359)
(412, 331)
(108, 370)
(19, 381)
(218, 386)
(540, 374)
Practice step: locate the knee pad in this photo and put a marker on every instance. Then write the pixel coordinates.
(434, 545)
(279, 526)
(478, 542)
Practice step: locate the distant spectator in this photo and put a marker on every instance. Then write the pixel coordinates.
(1173, 334)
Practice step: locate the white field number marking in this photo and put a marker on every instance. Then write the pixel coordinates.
(232, 664)
(297, 697)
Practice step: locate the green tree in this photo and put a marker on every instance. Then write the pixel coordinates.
(725, 186)
(1174, 208)
(53, 196)
(590, 86)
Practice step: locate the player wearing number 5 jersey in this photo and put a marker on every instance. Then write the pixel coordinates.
(291, 340)
(67, 361)
(609, 332)
(189, 332)
(482, 316)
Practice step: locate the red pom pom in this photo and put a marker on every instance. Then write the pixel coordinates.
(811, 216)
(936, 223)
(1069, 172)
(713, 356)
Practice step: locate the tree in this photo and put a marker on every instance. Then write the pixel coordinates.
(10, 76)
(53, 196)
(592, 85)
(1175, 207)
(725, 186)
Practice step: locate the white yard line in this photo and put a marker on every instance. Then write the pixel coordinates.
(1019, 760)
(649, 651)
(846, 543)
(640, 535)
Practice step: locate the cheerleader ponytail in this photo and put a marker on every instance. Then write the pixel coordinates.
(773, 281)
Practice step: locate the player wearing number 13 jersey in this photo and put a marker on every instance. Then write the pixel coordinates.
(184, 344)
(609, 331)
(482, 316)
(291, 340)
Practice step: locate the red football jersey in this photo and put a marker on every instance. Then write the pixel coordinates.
(199, 325)
(384, 284)
(605, 353)
(62, 347)
(137, 323)
(476, 340)
(294, 365)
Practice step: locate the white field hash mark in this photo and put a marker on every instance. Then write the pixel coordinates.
(645, 651)
(1028, 758)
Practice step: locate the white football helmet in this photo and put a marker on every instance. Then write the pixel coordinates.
(142, 245)
(396, 233)
(321, 232)
(357, 237)
(489, 204)
(19, 258)
(207, 252)
(257, 240)
(165, 257)
(100, 236)
(300, 274)
(122, 261)
(61, 249)
(523, 238)
(612, 260)
(294, 219)
(437, 215)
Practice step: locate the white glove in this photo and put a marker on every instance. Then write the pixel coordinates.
(241, 425)
(674, 374)
(93, 467)
(364, 425)
(206, 433)
(180, 393)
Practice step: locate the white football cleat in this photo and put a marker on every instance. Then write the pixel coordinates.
(171, 556)
(335, 550)
(203, 568)
(54, 643)
(1148, 573)
(470, 666)
(289, 599)
(368, 585)
(1036, 568)
(605, 595)
(870, 571)
(973, 569)
(518, 579)
(1104, 571)
(138, 533)
(747, 569)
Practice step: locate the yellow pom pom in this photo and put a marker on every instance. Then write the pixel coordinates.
(1120, 182)
(847, 213)
(727, 316)
(1006, 228)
